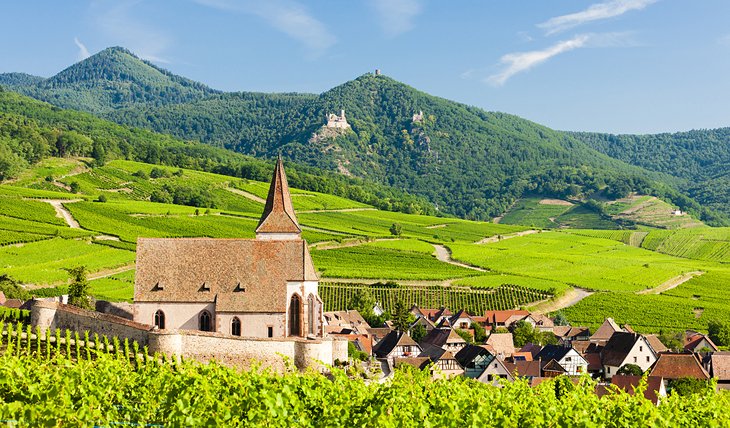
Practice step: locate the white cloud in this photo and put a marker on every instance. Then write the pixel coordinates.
(594, 12)
(518, 62)
(522, 61)
(117, 22)
(83, 52)
(287, 16)
(396, 16)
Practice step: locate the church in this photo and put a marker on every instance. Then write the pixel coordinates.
(262, 287)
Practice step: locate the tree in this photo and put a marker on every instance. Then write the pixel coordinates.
(364, 302)
(74, 187)
(98, 152)
(689, 386)
(560, 319)
(524, 333)
(630, 369)
(464, 335)
(78, 291)
(418, 332)
(401, 317)
(101, 198)
(719, 332)
(480, 335)
(672, 340)
(396, 229)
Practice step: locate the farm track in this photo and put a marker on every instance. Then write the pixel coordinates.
(331, 245)
(62, 212)
(672, 283)
(444, 255)
(245, 194)
(498, 238)
(341, 210)
(570, 298)
(414, 282)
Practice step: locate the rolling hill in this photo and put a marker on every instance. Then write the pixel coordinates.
(466, 161)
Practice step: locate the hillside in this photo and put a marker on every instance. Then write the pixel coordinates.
(465, 161)
(700, 158)
(434, 261)
(113, 78)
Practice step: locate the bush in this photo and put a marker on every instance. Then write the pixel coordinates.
(141, 174)
(74, 186)
(101, 198)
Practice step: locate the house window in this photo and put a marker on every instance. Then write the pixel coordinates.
(647, 359)
(641, 349)
(236, 326)
(634, 359)
(160, 319)
(270, 332)
(608, 370)
(204, 321)
(567, 359)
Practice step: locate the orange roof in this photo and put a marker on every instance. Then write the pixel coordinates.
(500, 317)
(675, 366)
(278, 215)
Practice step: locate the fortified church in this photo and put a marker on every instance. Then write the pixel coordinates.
(262, 287)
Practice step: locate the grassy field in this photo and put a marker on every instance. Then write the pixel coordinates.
(36, 246)
(650, 211)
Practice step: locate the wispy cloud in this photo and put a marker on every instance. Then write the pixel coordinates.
(118, 23)
(595, 12)
(83, 52)
(522, 61)
(396, 16)
(287, 16)
(518, 62)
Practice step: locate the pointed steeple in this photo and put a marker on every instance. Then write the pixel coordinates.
(278, 220)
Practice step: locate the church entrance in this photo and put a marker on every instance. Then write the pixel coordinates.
(295, 316)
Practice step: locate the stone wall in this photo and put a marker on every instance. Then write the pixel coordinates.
(55, 315)
(241, 352)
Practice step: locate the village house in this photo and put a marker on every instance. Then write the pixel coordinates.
(568, 358)
(500, 344)
(698, 342)
(262, 287)
(718, 366)
(345, 322)
(626, 348)
(395, 345)
(656, 344)
(524, 369)
(654, 392)
(604, 333)
(567, 334)
(461, 320)
(676, 366)
(444, 361)
(474, 359)
(445, 338)
(501, 318)
(496, 372)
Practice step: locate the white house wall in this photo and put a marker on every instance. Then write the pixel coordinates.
(177, 315)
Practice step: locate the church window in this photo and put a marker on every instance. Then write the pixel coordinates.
(310, 321)
(160, 320)
(236, 326)
(270, 331)
(205, 321)
(295, 311)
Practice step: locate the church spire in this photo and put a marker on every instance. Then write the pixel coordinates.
(278, 220)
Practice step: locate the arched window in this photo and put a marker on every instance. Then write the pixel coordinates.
(205, 321)
(311, 310)
(236, 326)
(160, 319)
(295, 320)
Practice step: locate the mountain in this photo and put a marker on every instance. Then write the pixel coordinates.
(113, 78)
(468, 162)
(31, 130)
(699, 158)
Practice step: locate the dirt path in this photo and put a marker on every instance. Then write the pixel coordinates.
(62, 212)
(570, 298)
(443, 254)
(412, 282)
(250, 196)
(331, 245)
(674, 282)
(497, 238)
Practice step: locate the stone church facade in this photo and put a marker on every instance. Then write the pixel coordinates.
(262, 287)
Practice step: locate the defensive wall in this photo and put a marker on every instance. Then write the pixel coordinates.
(240, 352)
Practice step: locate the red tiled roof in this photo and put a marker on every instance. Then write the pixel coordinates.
(720, 365)
(675, 366)
(630, 383)
(500, 317)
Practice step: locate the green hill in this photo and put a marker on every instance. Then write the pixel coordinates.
(464, 160)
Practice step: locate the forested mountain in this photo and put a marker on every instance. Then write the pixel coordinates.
(31, 130)
(113, 78)
(466, 161)
(701, 158)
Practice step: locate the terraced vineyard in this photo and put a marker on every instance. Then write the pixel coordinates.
(336, 297)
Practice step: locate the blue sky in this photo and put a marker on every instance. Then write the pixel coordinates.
(624, 66)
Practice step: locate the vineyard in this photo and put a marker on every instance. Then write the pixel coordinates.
(336, 297)
(73, 381)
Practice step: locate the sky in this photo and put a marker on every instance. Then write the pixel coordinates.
(620, 66)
